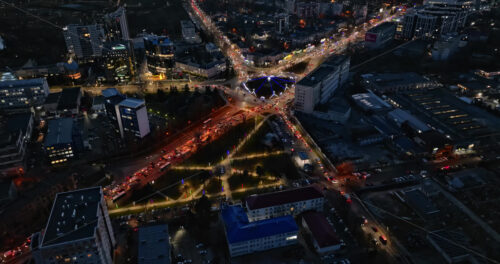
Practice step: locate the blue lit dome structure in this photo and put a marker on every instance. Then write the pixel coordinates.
(268, 86)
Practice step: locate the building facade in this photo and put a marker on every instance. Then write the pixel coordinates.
(129, 115)
(23, 93)
(85, 42)
(116, 25)
(319, 86)
(289, 202)
(159, 53)
(78, 230)
(246, 237)
(63, 140)
(189, 32)
(15, 133)
(377, 37)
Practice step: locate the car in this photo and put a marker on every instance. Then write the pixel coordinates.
(200, 245)
(383, 239)
(203, 252)
(375, 229)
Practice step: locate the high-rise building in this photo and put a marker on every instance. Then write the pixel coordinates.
(15, 133)
(436, 18)
(23, 93)
(319, 86)
(85, 42)
(282, 23)
(129, 114)
(117, 61)
(159, 53)
(78, 230)
(116, 26)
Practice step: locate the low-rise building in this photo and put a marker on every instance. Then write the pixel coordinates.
(154, 245)
(400, 117)
(370, 102)
(15, 133)
(63, 140)
(78, 230)
(377, 37)
(246, 237)
(288, 202)
(23, 93)
(324, 238)
(393, 82)
(189, 32)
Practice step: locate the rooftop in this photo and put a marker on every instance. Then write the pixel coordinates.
(382, 27)
(448, 242)
(317, 76)
(60, 131)
(400, 116)
(420, 202)
(132, 103)
(391, 79)
(52, 98)
(109, 92)
(69, 98)
(73, 216)
(370, 101)
(321, 230)
(18, 122)
(239, 229)
(22, 83)
(258, 201)
(154, 246)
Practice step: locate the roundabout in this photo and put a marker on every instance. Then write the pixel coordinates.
(266, 87)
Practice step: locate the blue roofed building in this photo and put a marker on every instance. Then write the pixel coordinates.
(245, 237)
(23, 93)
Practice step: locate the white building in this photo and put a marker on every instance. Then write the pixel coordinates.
(78, 230)
(132, 117)
(84, 41)
(317, 87)
(246, 237)
(289, 202)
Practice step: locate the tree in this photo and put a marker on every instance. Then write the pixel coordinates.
(202, 212)
(186, 89)
(259, 170)
(245, 174)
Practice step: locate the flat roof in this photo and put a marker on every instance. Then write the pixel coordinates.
(400, 116)
(154, 246)
(109, 92)
(132, 103)
(73, 216)
(382, 27)
(321, 230)
(258, 201)
(69, 98)
(21, 83)
(239, 229)
(370, 101)
(317, 75)
(18, 122)
(390, 79)
(421, 202)
(52, 98)
(60, 131)
(446, 242)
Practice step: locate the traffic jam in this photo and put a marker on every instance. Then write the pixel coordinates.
(210, 131)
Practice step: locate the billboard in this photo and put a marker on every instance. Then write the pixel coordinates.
(370, 37)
